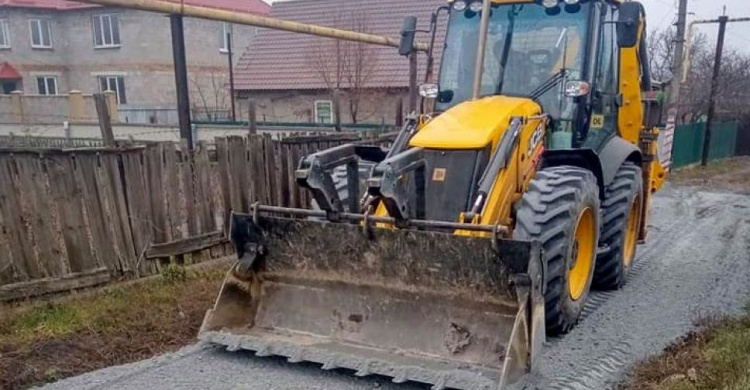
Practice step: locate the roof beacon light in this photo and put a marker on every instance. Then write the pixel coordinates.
(476, 6)
(459, 5)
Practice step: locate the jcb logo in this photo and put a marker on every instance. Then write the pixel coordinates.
(535, 139)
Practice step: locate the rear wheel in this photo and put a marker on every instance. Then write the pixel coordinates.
(621, 218)
(561, 211)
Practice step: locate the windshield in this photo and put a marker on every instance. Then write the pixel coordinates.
(527, 44)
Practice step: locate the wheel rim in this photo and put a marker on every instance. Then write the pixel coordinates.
(583, 254)
(631, 234)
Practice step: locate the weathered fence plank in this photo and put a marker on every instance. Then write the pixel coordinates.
(175, 204)
(96, 215)
(18, 240)
(31, 182)
(204, 198)
(68, 197)
(222, 157)
(188, 188)
(114, 194)
(138, 207)
(6, 259)
(44, 286)
(155, 182)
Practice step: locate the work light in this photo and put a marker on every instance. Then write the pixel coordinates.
(459, 5)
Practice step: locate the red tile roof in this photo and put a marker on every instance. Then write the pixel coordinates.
(247, 6)
(7, 72)
(280, 60)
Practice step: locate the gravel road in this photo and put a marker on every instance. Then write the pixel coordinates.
(697, 262)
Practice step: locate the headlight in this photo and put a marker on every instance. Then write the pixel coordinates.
(429, 91)
(476, 6)
(459, 5)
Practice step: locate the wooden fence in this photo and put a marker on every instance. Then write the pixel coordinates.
(72, 218)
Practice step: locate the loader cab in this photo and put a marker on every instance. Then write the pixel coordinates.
(528, 45)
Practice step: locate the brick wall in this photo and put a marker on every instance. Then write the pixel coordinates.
(144, 57)
(376, 107)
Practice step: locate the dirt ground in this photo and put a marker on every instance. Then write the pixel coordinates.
(42, 342)
(716, 356)
(729, 175)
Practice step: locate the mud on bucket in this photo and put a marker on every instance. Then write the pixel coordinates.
(413, 305)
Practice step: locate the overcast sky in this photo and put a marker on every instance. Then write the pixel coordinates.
(664, 12)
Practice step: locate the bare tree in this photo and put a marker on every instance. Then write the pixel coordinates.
(733, 98)
(345, 66)
(210, 94)
(360, 61)
(326, 60)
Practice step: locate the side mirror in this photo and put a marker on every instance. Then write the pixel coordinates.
(628, 24)
(408, 30)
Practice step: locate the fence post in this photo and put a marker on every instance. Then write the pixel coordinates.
(114, 115)
(17, 99)
(105, 124)
(76, 110)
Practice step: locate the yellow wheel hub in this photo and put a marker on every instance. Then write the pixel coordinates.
(631, 234)
(583, 254)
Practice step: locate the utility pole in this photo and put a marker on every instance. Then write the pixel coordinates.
(181, 79)
(714, 89)
(673, 102)
(231, 72)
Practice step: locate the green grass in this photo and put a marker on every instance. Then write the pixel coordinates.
(112, 325)
(715, 358)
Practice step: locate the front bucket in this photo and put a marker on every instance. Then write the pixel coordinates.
(420, 306)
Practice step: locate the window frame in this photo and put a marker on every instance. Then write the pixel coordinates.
(316, 110)
(46, 79)
(40, 31)
(5, 31)
(120, 89)
(226, 27)
(114, 25)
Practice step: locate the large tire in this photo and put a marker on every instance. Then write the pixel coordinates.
(341, 182)
(561, 211)
(621, 213)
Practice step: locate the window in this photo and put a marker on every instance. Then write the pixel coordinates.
(323, 111)
(4, 34)
(46, 85)
(41, 37)
(226, 29)
(106, 30)
(115, 84)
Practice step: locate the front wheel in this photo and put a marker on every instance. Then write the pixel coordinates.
(561, 211)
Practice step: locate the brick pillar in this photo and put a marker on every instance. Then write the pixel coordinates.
(112, 106)
(76, 106)
(17, 103)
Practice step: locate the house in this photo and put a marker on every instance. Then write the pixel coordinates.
(291, 78)
(50, 47)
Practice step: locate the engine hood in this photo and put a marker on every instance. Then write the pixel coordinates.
(474, 124)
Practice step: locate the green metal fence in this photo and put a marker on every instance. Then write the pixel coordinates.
(688, 143)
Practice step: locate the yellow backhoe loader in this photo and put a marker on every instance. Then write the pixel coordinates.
(524, 181)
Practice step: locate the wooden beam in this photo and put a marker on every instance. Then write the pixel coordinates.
(44, 286)
(105, 122)
(186, 245)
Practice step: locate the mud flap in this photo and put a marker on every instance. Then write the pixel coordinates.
(431, 307)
